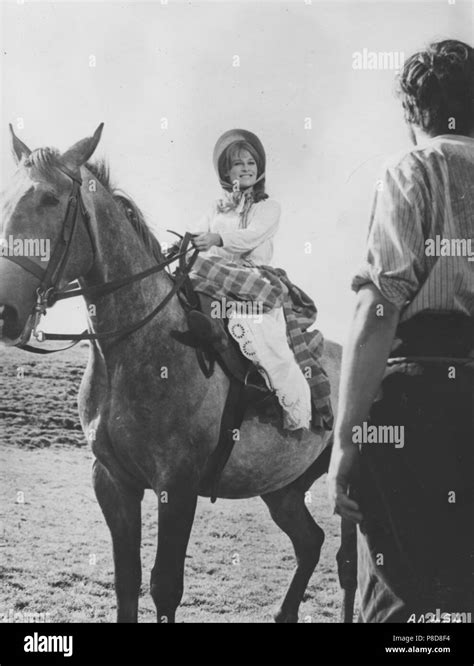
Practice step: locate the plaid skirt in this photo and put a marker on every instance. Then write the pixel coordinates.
(268, 288)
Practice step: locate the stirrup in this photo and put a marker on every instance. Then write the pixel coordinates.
(256, 393)
(248, 383)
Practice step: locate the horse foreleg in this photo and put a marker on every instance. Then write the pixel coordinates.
(347, 568)
(288, 510)
(176, 508)
(121, 507)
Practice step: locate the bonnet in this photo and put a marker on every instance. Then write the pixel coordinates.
(237, 200)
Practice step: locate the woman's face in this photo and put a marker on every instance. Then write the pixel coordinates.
(243, 170)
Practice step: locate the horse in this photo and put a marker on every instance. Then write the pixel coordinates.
(150, 415)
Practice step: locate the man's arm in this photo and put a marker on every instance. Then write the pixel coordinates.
(363, 365)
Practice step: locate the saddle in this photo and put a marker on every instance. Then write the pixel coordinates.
(246, 387)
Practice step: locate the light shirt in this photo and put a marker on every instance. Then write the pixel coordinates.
(255, 242)
(424, 196)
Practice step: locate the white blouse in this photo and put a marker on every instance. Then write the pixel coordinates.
(255, 242)
(262, 339)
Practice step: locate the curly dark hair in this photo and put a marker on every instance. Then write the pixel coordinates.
(436, 87)
(225, 164)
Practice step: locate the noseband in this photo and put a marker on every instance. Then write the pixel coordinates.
(48, 291)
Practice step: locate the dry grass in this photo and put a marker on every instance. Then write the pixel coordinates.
(55, 546)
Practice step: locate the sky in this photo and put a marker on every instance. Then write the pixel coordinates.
(168, 77)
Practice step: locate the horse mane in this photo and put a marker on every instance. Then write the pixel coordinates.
(100, 169)
(47, 159)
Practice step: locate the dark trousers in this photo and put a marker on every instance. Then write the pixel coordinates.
(416, 539)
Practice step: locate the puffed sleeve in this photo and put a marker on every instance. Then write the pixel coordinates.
(395, 260)
(262, 226)
(203, 225)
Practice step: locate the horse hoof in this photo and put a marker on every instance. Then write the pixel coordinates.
(285, 618)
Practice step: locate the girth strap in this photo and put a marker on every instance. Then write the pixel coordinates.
(232, 417)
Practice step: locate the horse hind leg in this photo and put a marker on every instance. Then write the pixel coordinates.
(121, 507)
(347, 554)
(288, 510)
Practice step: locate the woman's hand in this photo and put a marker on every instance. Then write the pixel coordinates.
(203, 242)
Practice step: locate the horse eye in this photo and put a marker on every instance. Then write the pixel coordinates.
(49, 199)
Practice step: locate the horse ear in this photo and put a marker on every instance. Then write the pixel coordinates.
(81, 151)
(18, 147)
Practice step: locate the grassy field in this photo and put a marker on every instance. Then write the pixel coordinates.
(56, 550)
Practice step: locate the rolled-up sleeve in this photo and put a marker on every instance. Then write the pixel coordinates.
(262, 226)
(395, 259)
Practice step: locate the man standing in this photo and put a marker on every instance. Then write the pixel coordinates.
(402, 462)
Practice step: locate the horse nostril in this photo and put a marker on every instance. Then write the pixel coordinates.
(9, 322)
(6, 311)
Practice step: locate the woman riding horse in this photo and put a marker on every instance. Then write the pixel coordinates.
(237, 234)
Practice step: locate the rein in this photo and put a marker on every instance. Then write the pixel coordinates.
(48, 294)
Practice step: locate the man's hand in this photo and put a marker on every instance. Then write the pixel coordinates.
(342, 470)
(204, 242)
(363, 364)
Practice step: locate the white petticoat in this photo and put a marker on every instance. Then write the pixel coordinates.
(263, 340)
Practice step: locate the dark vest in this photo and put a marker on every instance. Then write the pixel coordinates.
(434, 333)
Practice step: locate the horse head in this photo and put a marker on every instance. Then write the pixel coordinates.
(34, 209)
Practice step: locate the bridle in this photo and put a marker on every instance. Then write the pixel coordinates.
(48, 293)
